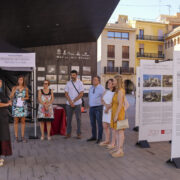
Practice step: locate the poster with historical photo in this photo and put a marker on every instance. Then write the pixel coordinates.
(63, 69)
(40, 78)
(39, 88)
(63, 79)
(167, 81)
(155, 101)
(167, 95)
(86, 88)
(41, 69)
(61, 88)
(151, 80)
(54, 87)
(51, 69)
(75, 68)
(152, 96)
(51, 78)
(86, 79)
(86, 70)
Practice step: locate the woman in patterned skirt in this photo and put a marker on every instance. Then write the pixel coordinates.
(5, 142)
(45, 110)
(19, 96)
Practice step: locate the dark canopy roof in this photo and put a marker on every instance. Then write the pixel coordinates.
(28, 23)
(8, 48)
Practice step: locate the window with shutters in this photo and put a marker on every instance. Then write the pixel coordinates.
(125, 52)
(141, 49)
(111, 51)
(160, 50)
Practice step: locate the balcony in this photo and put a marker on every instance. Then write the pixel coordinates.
(111, 70)
(126, 70)
(150, 55)
(150, 38)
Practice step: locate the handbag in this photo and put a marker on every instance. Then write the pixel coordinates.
(83, 103)
(123, 124)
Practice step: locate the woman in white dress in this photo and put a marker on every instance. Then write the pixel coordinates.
(106, 101)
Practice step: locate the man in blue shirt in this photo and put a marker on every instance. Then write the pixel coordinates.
(96, 109)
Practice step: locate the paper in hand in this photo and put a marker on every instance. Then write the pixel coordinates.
(19, 102)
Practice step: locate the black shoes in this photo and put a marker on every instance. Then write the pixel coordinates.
(98, 141)
(91, 139)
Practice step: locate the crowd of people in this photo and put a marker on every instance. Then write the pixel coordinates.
(106, 108)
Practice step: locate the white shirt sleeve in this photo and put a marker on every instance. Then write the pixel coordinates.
(66, 89)
(81, 87)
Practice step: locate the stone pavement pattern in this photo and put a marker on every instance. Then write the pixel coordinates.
(72, 159)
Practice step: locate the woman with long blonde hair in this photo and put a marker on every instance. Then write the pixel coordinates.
(118, 114)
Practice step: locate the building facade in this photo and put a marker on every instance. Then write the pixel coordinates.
(149, 40)
(172, 39)
(116, 52)
(54, 63)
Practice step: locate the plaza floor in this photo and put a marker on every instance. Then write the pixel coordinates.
(73, 159)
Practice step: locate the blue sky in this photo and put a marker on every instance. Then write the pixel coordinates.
(145, 9)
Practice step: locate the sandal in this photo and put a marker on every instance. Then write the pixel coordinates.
(16, 139)
(49, 138)
(110, 146)
(104, 143)
(116, 154)
(1, 160)
(42, 138)
(1, 164)
(24, 140)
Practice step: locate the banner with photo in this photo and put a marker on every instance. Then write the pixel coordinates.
(175, 145)
(137, 117)
(17, 60)
(156, 95)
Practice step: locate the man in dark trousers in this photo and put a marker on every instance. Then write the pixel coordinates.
(74, 91)
(96, 109)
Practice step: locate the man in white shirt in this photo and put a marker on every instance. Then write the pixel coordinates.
(74, 91)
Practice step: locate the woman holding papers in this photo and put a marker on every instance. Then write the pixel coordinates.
(19, 97)
(5, 143)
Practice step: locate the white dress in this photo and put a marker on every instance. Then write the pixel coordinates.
(108, 100)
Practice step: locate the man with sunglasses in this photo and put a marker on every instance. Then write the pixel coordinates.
(74, 91)
(96, 109)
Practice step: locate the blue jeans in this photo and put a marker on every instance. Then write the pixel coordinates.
(95, 114)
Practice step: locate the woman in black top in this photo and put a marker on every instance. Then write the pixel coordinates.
(5, 143)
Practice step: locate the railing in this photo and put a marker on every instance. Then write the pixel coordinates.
(149, 37)
(111, 70)
(126, 70)
(150, 55)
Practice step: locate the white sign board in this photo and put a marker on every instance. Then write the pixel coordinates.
(156, 82)
(137, 117)
(175, 146)
(17, 60)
